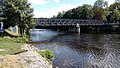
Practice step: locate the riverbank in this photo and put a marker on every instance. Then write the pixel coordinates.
(29, 58)
(32, 59)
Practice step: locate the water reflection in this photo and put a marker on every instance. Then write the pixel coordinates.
(85, 50)
(38, 35)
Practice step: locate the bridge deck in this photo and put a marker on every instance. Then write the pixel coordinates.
(69, 22)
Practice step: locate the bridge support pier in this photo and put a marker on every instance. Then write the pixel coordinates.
(78, 28)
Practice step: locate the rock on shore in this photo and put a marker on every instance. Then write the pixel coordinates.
(32, 59)
(29, 59)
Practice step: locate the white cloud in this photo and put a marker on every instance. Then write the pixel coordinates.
(56, 1)
(53, 11)
(38, 2)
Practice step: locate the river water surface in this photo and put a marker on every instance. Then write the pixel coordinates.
(80, 50)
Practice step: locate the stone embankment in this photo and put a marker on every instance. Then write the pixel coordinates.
(29, 59)
(32, 59)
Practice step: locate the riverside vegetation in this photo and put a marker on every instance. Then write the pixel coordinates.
(47, 54)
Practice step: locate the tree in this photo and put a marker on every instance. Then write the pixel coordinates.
(113, 6)
(68, 14)
(86, 12)
(99, 14)
(60, 14)
(81, 12)
(99, 10)
(54, 16)
(17, 12)
(115, 17)
(1, 9)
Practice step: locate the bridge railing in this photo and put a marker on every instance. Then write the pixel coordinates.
(69, 22)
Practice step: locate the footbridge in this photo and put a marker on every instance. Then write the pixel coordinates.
(51, 22)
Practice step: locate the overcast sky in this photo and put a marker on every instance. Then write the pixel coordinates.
(48, 8)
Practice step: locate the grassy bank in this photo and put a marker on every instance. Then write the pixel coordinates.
(10, 45)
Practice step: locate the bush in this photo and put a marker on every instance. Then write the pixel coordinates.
(47, 54)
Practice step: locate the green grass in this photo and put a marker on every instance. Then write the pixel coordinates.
(47, 54)
(10, 45)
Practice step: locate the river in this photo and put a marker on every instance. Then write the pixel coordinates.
(85, 50)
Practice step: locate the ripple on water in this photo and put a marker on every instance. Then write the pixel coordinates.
(85, 50)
